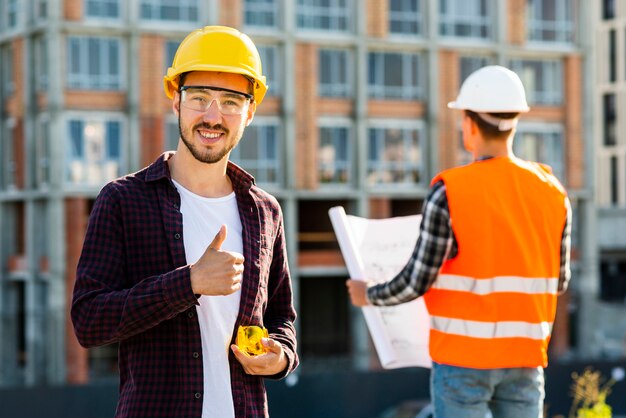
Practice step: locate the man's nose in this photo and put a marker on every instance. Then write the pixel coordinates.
(213, 111)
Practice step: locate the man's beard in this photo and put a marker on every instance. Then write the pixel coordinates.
(206, 157)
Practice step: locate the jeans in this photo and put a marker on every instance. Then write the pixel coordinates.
(459, 392)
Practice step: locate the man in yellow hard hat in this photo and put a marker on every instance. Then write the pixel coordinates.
(492, 255)
(182, 253)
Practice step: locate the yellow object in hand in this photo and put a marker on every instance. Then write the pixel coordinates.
(249, 339)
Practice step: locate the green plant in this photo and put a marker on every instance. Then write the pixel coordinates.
(590, 392)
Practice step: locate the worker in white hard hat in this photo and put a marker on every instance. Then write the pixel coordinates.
(184, 262)
(491, 258)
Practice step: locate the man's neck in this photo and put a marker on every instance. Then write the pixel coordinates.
(203, 179)
(494, 148)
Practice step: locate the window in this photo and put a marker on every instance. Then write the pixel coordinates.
(7, 84)
(469, 64)
(614, 174)
(170, 51)
(395, 154)
(335, 73)
(610, 120)
(270, 60)
(543, 80)
(261, 13)
(466, 18)
(94, 149)
(94, 63)
(10, 14)
(258, 151)
(612, 57)
(395, 76)
(172, 133)
(325, 327)
(170, 10)
(542, 143)
(42, 152)
(7, 163)
(41, 63)
(405, 17)
(613, 280)
(41, 9)
(109, 9)
(551, 20)
(608, 9)
(335, 152)
(329, 15)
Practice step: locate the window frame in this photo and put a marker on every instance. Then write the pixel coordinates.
(564, 29)
(102, 4)
(306, 15)
(344, 89)
(259, 163)
(255, 8)
(82, 80)
(407, 91)
(448, 22)
(155, 5)
(405, 18)
(552, 72)
(272, 66)
(543, 129)
(348, 165)
(406, 125)
(103, 118)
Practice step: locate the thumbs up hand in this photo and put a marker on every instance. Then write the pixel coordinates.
(217, 272)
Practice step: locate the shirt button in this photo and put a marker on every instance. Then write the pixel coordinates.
(195, 354)
(198, 395)
(177, 235)
(190, 314)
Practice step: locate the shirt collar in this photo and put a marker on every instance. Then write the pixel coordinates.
(160, 169)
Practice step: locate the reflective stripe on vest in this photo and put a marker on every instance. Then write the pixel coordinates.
(493, 305)
(503, 329)
(497, 284)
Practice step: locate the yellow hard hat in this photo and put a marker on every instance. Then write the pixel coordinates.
(217, 48)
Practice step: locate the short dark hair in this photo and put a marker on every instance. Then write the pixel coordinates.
(488, 130)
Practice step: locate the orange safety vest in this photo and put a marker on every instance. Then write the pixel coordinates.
(493, 305)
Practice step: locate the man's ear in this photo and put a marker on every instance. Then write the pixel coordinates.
(250, 114)
(468, 134)
(176, 103)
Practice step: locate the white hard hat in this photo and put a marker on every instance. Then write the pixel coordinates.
(492, 89)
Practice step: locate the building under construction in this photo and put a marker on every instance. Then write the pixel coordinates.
(355, 116)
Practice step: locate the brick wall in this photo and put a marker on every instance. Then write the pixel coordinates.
(231, 13)
(73, 9)
(306, 123)
(377, 18)
(448, 119)
(75, 228)
(151, 93)
(574, 146)
(516, 17)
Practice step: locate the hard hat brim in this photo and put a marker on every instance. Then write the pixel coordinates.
(459, 106)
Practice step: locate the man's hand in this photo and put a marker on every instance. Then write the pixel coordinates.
(358, 292)
(217, 272)
(270, 363)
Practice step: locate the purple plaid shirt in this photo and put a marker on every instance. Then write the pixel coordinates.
(133, 287)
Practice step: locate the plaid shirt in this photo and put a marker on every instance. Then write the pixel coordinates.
(133, 287)
(435, 244)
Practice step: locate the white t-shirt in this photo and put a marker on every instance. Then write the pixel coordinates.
(202, 219)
